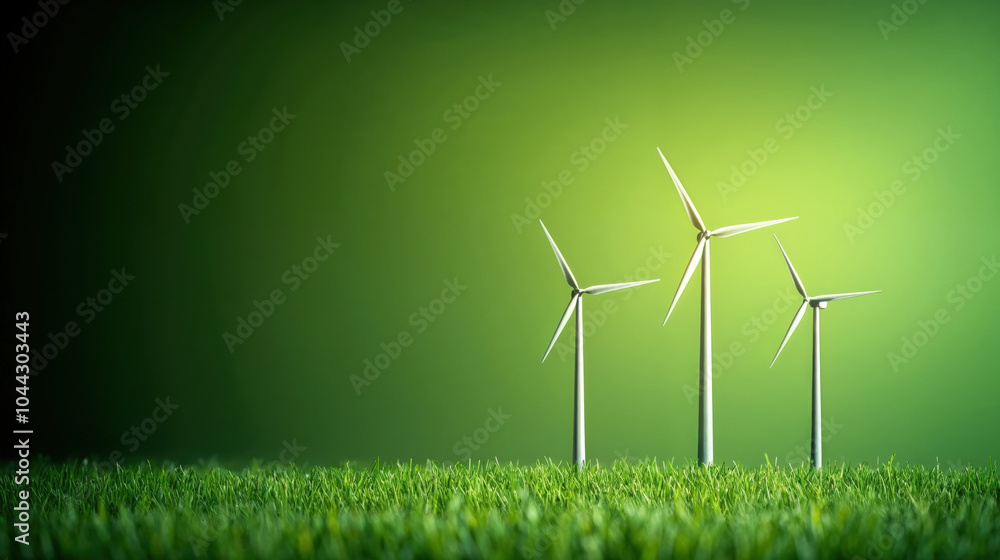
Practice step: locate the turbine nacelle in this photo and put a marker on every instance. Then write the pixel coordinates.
(591, 290)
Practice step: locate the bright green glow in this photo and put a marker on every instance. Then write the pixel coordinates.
(323, 175)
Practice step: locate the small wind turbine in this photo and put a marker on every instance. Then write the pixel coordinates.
(576, 300)
(701, 252)
(817, 303)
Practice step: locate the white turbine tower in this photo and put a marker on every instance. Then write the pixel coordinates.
(576, 300)
(701, 252)
(817, 303)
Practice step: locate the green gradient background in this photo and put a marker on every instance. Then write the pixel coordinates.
(324, 176)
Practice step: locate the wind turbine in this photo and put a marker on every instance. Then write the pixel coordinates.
(817, 303)
(701, 252)
(576, 300)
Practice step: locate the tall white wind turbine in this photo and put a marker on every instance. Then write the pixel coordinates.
(576, 300)
(817, 303)
(701, 252)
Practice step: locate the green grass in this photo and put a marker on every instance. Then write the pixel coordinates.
(625, 510)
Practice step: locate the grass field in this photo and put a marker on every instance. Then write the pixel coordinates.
(625, 510)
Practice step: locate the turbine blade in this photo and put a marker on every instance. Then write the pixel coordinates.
(791, 329)
(791, 270)
(730, 231)
(692, 212)
(604, 288)
(835, 297)
(562, 323)
(562, 262)
(687, 274)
